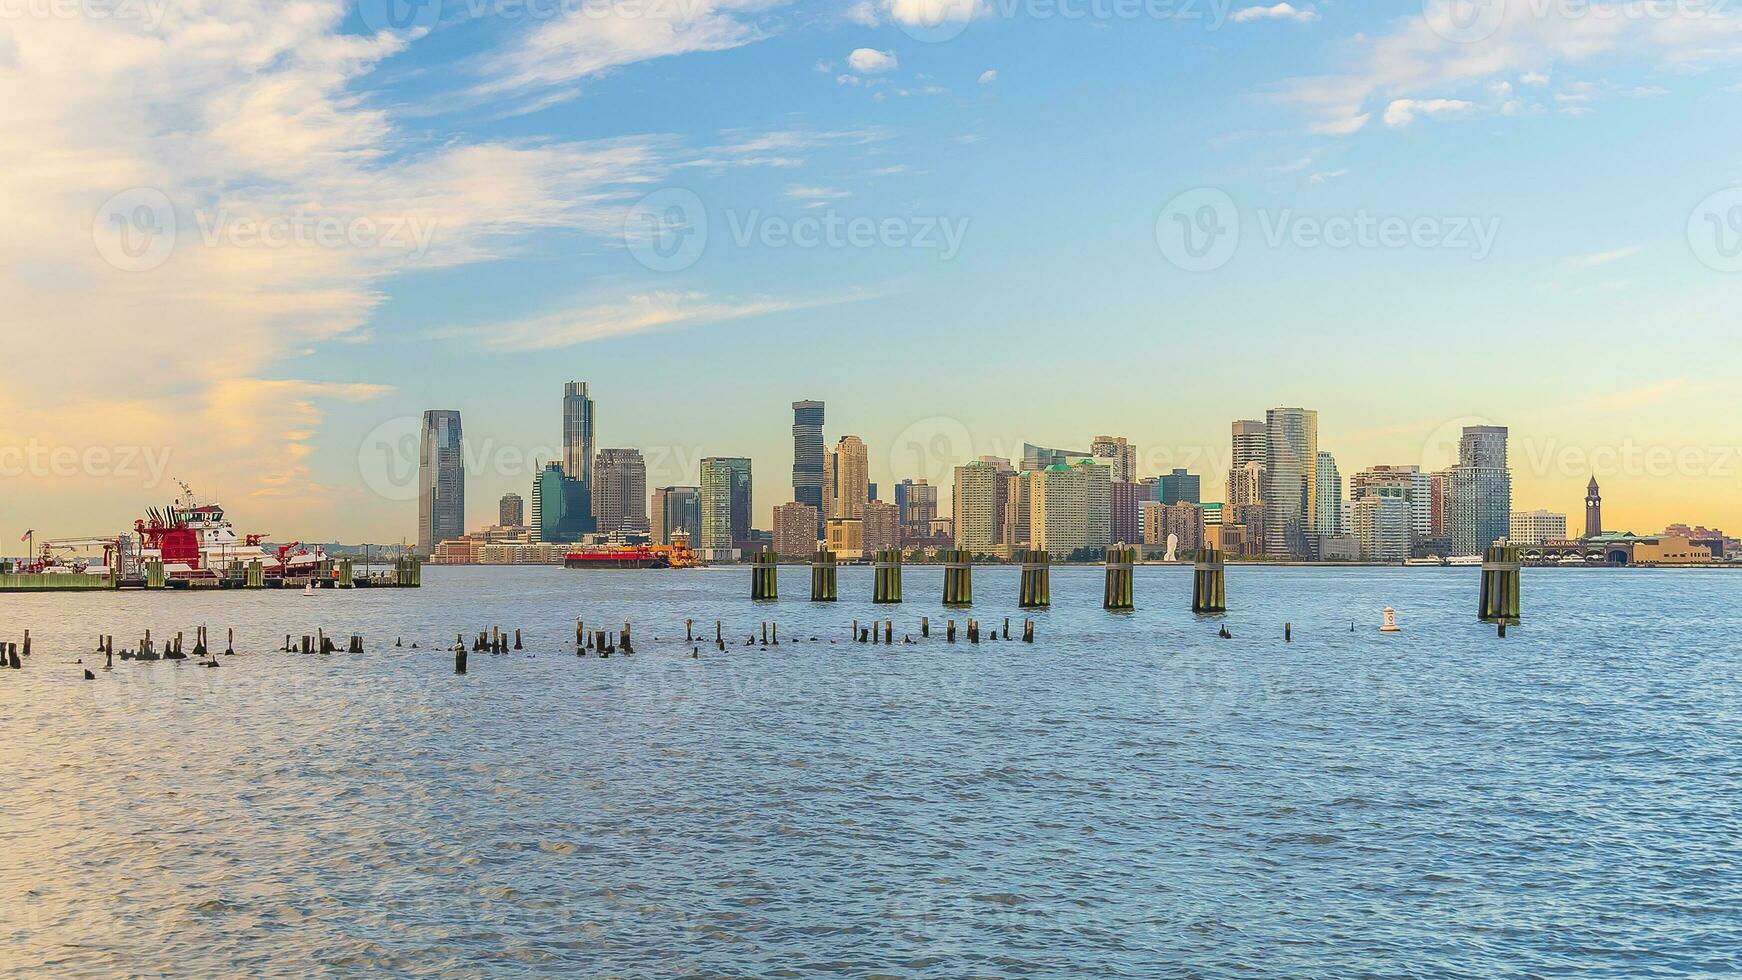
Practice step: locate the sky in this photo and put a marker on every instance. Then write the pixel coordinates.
(245, 244)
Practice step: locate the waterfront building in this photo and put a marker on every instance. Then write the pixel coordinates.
(1593, 509)
(1178, 487)
(807, 458)
(1246, 484)
(619, 492)
(1437, 505)
(846, 537)
(1185, 520)
(441, 481)
(881, 526)
(1381, 519)
(979, 501)
(677, 509)
(1528, 527)
(1290, 484)
(1127, 519)
(846, 483)
(1329, 520)
(561, 509)
(1408, 482)
(1479, 491)
(1212, 511)
(795, 530)
(725, 506)
(511, 512)
(578, 433)
(1070, 508)
(1250, 528)
(916, 503)
(1118, 454)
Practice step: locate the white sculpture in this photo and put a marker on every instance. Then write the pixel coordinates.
(1172, 545)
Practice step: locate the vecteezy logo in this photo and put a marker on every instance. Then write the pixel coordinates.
(1440, 450)
(134, 231)
(932, 448)
(667, 230)
(399, 15)
(1464, 21)
(1199, 229)
(933, 21)
(1715, 231)
(388, 458)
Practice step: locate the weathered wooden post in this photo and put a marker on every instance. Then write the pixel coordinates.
(1500, 584)
(958, 577)
(459, 655)
(1036, 580)
(347, 574)
(154, 576)
(887, 576)
(1209, 589)
(1119, 593)
(765, 577)
(823, 566)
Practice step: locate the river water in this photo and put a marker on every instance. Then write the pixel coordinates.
(1130, 796)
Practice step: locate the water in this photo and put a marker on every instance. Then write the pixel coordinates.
(1130, 796)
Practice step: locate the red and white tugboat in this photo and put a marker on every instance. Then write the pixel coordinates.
(195, 541)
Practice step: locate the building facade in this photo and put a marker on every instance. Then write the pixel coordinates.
(916, 502)
(1124, 507)
(725, 504)
(807, 457)
(1528, 527)
(1593, 509)
(1069, 507)
(441, 481)
(579, 441)
(675, 510)
(1291, 465)
(511, 511)
(1329, 512)
(846, 479)
(619, 492)
(882, 526)
(1479, 491)
(1381, 528)
(979, 501)
(1118, 454)
(1179, 487)
(795, 530)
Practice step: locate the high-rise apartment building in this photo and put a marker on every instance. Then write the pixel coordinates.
(979, 501)
(725, 503)
(511, 512)
(916, 503)
(846, 479)
(1251, 444)
(1179, 487)
(619, 492)
(579, 442)
(1291, 464)
(1070, 507)
(1124, 507)
(1185, 521)
(1381, 519)
(677, 509)
(1411, 484)
(882, 527)
(1330, 492)
(808, 457)
(1039, 457)
(441, 482)
(795, 530)
(1479, 491)
(1118, 454)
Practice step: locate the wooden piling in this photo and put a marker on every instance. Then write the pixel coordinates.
(765, 577)
(823, 577)
(1118, 595)
(887, 576)
(1209, 586)
(1036, 590)
(1500, 584)
(958, 577)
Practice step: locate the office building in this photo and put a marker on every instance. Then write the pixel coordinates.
(979, 501)
(807, 457)
(882, 527)
(619, 492)
(1407, 482)
(1118, 454)
(579, 443)
(1479, 491)
(916, 503)
(1329, 512)
(845, 537)
(562, 511)
(1178, 487)
(725, 492)
(511, 512)
(1381, 519)
(795, 530)
(677, 510)
(1251, 444)
(1536, 527)
(1039, 457)
(441, 481)
(1291, 464)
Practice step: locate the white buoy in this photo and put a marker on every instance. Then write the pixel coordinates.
(308, 588)
(1390, 624)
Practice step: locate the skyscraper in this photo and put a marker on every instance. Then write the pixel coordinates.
(846, 482)
(795, 530)
(1250, 443)
(1119, 454)
(561, 510)
(1179, 487)
(1070, 507)
(677, 509)
(1330, 491)
(725, 503)
(1039, 457)
(807, 457)
(1125, 510)
(1291, 465)
(441, 482)
(916, 503)
(979, 500)
(881, 528)
(511, 512)
(1479, 491)
(1410, 484)
(1593, 509)
(578, 437)
(619, 492)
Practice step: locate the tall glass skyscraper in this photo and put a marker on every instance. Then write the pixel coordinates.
(578, 436)
(620, 493)
(807, 456)
(725, 502)
(441, 482)
(1479, 491)
(1291, 479)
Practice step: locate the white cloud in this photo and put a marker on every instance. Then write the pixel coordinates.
(988, 76)
(1326, 176)
(870, 61)
(1402, 112)
(863, 14)
(636, 314)
(1604, 258)
(930, 14)
(1281, 11)
(1432, 54)
(1293, 166)
(812, 196)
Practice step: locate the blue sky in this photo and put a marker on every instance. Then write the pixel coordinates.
(1550, 169)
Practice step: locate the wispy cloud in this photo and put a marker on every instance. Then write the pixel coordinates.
(1603, 258)
(1281, 11)
(636, 314)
